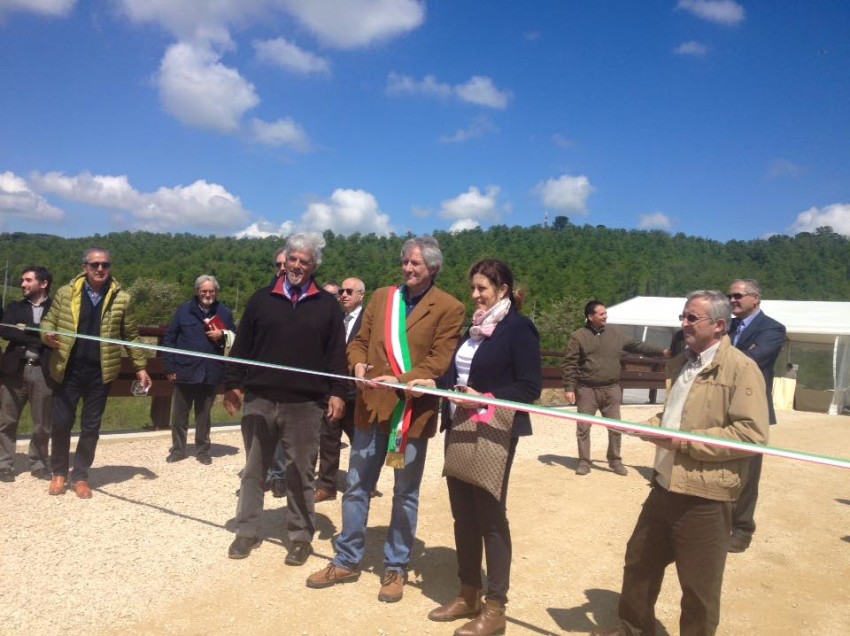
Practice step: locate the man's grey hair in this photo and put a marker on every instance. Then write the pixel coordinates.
(751, 285)
(430, 249)
(205, 278)
(719, 307)
(306, 242)
(92, 250)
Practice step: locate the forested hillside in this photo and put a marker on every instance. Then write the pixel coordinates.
(561, 266)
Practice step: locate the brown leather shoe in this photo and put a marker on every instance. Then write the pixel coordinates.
(331, 575)
(392, 586)
(82, 489)
(57, 485)
(491, 620)
(324, 495)
(465, 605)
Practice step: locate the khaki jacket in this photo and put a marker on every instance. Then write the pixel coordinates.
(727, 400)
(433, 330)
(116, 322)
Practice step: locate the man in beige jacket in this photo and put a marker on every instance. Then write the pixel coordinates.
(686, 519)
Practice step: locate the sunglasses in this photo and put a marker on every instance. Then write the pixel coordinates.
(350, 292)
(100, 265)
(738, 296)
(278, 265)
(692, 319)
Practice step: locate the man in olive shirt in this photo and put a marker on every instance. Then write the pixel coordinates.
(591, 372)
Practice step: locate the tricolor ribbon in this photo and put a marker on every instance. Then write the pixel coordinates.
(398, 354)
(618, 425)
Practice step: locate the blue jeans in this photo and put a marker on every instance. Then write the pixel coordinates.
(368, 451)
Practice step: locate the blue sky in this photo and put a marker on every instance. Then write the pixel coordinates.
(717, 118)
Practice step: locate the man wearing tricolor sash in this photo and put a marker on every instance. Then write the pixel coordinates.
(408, 332)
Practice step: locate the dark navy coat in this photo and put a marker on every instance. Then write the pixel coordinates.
(187, 330)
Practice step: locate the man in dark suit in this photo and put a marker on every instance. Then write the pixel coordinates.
(350, 296)
(761, 338)
(25, 376)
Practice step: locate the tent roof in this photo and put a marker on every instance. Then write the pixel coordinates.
(811, 321)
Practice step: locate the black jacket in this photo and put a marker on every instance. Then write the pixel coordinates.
(20, 311)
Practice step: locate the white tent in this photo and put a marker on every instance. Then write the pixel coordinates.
(818, 332)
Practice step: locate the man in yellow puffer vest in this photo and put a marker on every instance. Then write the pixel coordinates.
(92, 304)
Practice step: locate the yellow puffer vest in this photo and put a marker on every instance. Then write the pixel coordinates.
(116, 322)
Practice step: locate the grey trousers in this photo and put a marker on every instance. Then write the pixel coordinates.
(297, 426)
(201, 396)
(14, 394)
(606, 400)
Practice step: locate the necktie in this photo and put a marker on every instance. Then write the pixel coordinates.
(294, 293)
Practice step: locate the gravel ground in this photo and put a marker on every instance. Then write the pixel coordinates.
(148, 554)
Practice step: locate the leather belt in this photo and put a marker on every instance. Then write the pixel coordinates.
(31, 362)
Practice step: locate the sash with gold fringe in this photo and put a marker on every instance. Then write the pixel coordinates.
(398, 354)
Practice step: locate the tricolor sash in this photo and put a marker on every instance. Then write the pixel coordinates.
(398, 354)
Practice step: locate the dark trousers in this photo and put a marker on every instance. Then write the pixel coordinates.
(296, 426)
(606, 400)
(82, 381)
(481, 525)
(743, 513)
(691, 532)
(30, 386)
(186, 396)
(330, 441)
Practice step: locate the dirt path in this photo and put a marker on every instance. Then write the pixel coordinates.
(147, 555)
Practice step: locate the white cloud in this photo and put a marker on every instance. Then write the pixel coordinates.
(562, 141)
(47, 8)
(187, 19)
(347, 24)
(200, 91)
(473, 205)
(726, 12)
(429, 85)
(836, 216)
(478, 90)
(565, 194)
(265, 229)
(18, 200)
(200, 206)
(655, 221)
(692, 48)
(463, 225)
(289, 56)
(347, 211)
(479, 127)
(99, 190)
(785, 168)
(283, 132)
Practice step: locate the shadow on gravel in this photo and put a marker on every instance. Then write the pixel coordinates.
(162, 509)
(106, 475)
(600, 610)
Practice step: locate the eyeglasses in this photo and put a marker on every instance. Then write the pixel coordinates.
(278, 265)
(207, 292)
(100, 265)
(350, 292)
(738, 295)
(294, 260)
(692, 319)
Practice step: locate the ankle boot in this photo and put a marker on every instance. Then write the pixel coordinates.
(466, 604)
(491, 620)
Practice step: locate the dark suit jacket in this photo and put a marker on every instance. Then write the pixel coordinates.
(18, 312)
(352, 394)
(762, 340)
(433, 330)
(508, 365)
